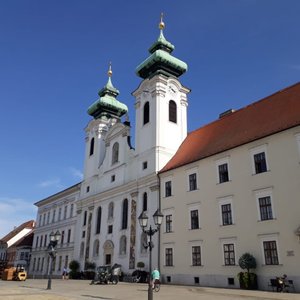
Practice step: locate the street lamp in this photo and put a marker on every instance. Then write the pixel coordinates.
(54, 238)
(143, 220)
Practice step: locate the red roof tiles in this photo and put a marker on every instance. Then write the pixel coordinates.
(270, 115)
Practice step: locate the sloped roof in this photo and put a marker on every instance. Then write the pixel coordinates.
(27, 240)
(275, 113)
(9, 236)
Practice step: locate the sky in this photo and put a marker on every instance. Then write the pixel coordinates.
(54, 57)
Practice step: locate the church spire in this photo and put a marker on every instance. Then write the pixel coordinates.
(107, 105)
(161, 61)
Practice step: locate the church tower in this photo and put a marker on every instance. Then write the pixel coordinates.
(106, 111)
(161, 105)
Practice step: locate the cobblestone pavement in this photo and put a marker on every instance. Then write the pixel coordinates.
(35, 289)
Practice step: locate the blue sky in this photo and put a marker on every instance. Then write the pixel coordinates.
(54, 58)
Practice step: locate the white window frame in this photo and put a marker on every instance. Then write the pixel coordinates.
(166, 212)
(268, 238)
(229, 241)
(195, 244)
(190, 172)
(164, 181)
(267, 192)
(194, 206)
(169, 245)
(224, 201)
(220, 162)
(257, 150)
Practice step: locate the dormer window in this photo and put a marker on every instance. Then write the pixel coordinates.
(146, 113)
(115, 153)
(92, 146)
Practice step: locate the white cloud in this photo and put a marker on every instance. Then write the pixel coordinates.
(14, 212)
(50, 183)
(76, 173)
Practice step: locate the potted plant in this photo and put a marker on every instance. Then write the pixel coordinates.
(74, 269)
(248, 280)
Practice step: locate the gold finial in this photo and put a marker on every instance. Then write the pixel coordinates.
(109, 73)
(161, 23)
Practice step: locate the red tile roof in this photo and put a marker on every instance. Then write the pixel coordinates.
(9, 236)
(270, 115)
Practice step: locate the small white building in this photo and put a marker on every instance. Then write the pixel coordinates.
(55, 213)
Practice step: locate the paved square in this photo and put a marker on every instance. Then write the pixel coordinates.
(35, 289)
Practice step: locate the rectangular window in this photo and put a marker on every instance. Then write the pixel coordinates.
(62, 237)
(22, 255)
(38, 264)
(59, 214)
(33, 265)
(226, 214)
(59, 263)
(45, 240)
(110, 229)
(69, 236)
(113, 178)
(168, 189)
(223, 173)
(48, 217)
(53, 216)
(40, 220)
(196, 256)
(44, 219)
(41, 241)
(37, 242)
(193, 181)
(145, 165)
(42, 266)
(71, 210)
(169, 256)
(229, 255)
(65, 212)
(265, 208)
(194, 219)
(169, 223)
(260, 163)
(270, 251)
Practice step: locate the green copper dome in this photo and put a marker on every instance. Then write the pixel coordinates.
(107, 105)
(161, 61)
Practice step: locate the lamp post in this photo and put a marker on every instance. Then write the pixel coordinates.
(143, 220)
(54, 238)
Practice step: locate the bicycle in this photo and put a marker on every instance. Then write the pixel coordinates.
(156, 285)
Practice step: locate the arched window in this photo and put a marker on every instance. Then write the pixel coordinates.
(81, 249)
(172, 111)
(146, 113)
(125, 214)
(92, 144)
(145, 200)
(98, 220)
(123, 245)
(110, 210)
(96, 248)
(144, 241)
(115, 153)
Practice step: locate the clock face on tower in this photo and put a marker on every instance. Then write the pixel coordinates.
(172, 90)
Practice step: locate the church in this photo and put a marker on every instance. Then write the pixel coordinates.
(225, 189)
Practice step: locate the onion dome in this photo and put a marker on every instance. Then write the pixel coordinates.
(107, 105)
(161, 61)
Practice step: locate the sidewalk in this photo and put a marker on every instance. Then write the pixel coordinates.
(35, 289)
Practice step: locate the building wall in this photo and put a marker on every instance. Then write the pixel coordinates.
(54, 213)
(248, 232)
